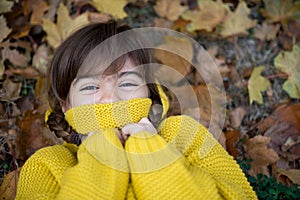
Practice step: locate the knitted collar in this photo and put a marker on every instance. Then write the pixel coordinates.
(93, 117)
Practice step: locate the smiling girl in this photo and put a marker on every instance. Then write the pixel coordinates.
(115, 149)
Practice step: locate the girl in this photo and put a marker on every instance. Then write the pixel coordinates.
(104, 108)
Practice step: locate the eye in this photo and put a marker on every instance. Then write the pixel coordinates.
(90, 87)
(128, 84)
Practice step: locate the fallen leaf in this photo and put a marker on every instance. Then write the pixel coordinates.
(14, 57)
(257, 84)
(209, 15)
(41, 59)
(232, 137)
(281, 11)
(37, 8)
(179, 63)
(289, 63)
(236, 116)
(170, 9)
(41, 96)
(8, 189)
(10, 90)
(4, 30)
(2, 68)
(115, 8)
(237, 22)
(98, 17)
(28, 72)
(5, 6)
(164, 23)
(256, 149)
(292, 174)
(266, 31)
(56, 33)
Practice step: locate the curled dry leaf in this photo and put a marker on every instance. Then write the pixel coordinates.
(262, 156)
(170, 9)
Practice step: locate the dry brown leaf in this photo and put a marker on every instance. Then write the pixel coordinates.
(262, 156)
(178, 65)
(14, 57)
(4, 30)
(170, 9)
(163, 23)
(95, 17)
(2, 68)
(41, 96)
(266, 31)
(8, 189)
(210, 14)
(292, 174)
(237, 22)
(41, 59)
(10, 90)
(28, 72)
(232, 137)
(37, 8)
(236, 116)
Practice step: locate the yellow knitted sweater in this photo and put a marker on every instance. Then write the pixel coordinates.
(182, 161)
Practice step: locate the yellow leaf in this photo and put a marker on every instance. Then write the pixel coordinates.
(4, 30)
(289, 63)
(211, 14)
(237, 22)
(5, 6)
(257, 84)
(114, 8)
(56, 33)
(281, 11)
(170, 9)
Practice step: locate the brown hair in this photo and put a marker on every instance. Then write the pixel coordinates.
(68, 60)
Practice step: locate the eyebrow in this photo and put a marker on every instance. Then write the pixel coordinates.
(129, 73)
(82, 78)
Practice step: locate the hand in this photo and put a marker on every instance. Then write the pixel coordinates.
(130, 129)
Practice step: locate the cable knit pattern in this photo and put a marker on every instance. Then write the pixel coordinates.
(182, 161)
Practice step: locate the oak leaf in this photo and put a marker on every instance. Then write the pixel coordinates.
(262, 156)
(237, 22)
(5, 6)
(289, 63)
(114, 8)
(281, 11)
(170, 9)
(4, 30)
(257, 84)
(65, 25)
(210, 14)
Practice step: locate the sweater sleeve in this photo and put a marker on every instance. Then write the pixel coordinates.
(202, 152)
(101, 172)
(158, 171)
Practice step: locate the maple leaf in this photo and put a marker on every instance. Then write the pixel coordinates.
(211, 14)
(170, 9)
(257, 84)
(56, 33)
(114, 8)
(4, 30)
(237, 22)
(289, 63)
(5, 6)
(266, 31)
(262, 157)
(281, 11)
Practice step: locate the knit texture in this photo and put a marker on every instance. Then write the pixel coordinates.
(182, 161)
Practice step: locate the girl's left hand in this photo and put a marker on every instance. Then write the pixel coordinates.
(143, 125)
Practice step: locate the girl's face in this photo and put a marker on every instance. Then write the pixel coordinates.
(126, 84)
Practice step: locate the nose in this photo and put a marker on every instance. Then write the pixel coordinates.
(108, 93)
